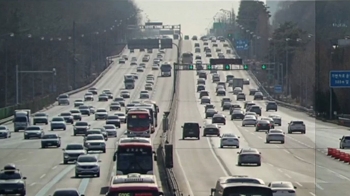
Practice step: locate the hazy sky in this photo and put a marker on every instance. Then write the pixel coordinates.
(193, 15)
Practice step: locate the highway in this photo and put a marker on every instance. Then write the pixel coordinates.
(301, 160)
(44, 169)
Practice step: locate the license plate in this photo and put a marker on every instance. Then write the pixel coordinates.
(48, 143)
(190, 132)
(8, 190)
(230, 140)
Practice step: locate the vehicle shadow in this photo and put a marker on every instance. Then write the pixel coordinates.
(104, 190)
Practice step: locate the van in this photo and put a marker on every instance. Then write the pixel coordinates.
(190, 129)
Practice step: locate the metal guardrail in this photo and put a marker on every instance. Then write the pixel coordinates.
(49, 105)
(268, 96)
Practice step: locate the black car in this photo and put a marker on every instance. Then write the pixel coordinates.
(258, 96)
(263, 125)
(218, 118)
(11, 181)
(67, 116)
(252, 91)
(190, 129)
(256, 109)
(271, 105)
(200, 87)
(226, 106)
(237, 114)
(51, 139)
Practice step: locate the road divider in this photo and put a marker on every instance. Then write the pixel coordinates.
(339, 155)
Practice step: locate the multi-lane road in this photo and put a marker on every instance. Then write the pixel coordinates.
(301, 160)
(44, 169)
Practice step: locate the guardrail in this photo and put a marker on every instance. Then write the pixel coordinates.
(50, 100)
(268, 96)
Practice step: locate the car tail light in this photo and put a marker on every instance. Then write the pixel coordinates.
(291, 191)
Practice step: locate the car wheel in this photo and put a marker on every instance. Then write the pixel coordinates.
(43, 146)
(65, 162)
(76, 175)
(98, 174)
(267, 141)
(239, 164)
(258, 164)
(221, 146)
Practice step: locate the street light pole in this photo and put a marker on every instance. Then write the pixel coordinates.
(287, 65)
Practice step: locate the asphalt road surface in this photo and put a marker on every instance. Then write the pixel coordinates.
(44, 169)
(301, 160)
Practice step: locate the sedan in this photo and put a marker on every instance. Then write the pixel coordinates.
(58, 123)
(33, 132)
(263, 125)
(249, 121)
(229, 139)
(4, 132)
(282, 188)
(111, 130)
(219, 118)
(51, 139)
(275, 135)
(40, 118)
(67, 116)
(249, 156)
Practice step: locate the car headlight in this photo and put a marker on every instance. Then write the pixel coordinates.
(103, 144)
(25, 133)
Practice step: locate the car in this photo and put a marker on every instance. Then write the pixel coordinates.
(203, 93)
(87, 165)
(149, 51)
(344, 142)
(148, 87)
(135, 76)
(197, 50)
(50, 139)
(205, 44)
(67, 116)
(40, 118)
(215, 77)
(4, 132)
(234, 106)
(272, 123)
(103, 132)
(63, 101)
(226, 106)
(78, 103)
(223, 84)
(145, 59)
(249, 120)
(256, 109)
(95, 142)
(108, 93)
(246, 81)
(150, 77)
(211, 129)
(195, 38)
(144, 96)
(121, 116)
(33, 132)
(155, 67)
(210, 112)
(139, 69)
(275, 135)
(240, 96)
(296, 126)
(131, 50)
(143, 65)
(200, 81)
(237, 90)
(149, 82)
(111, 130)
(190, 129)
(271, 105)
(200, 87)
(258, 96)
(72, 152)
(225, 45)
(133, 63)
(221, 92)
(219, 88)
(84, 110)
(103, 97)
(251, 114)
(93, 90)
(229, 139)
(252, 91)
(121, 61)
(208, 106)
(215, 45)
(67, 191)
(248, 104)
(125, 94)
(101, 113)
(249, 156)
(76, 114)
(218, 49)
(237, 114)
(125, 57)
(114, 120)
(11, 181)
(208, 54)
(219, 118)
(202, 75)
(92, 109)
(120, 100)
(115, 106)
(80, 128)
(262, 125)
(276, 119)
(205, 100)
(282, 188)
(58, 123)
(224, 100)
(198, 57)
(88, 96)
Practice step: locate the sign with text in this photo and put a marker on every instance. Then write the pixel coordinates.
(143, 44)
(226, 61)
(339, 79)
(206, 66)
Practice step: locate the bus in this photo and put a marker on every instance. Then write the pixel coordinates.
(134, 155)
(187, 58)
(134, 185)
(249, 188)
(155, 107)
(138, 123)
(151, 109)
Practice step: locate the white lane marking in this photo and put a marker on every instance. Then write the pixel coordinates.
(42, 176)
(298, 184)
(260, 137)
(21, 160)
(335, 173)
(286, 151)
(251, 133)
(184, 174)
(288, 175)
(269, 164)
(32, 184)
(301, 159)
(280, 170)
(313, 194)
(319, 186)
(54, 167)
(216, 158)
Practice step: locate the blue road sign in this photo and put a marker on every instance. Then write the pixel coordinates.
(339, 79)
(278, 89)
(242, 44)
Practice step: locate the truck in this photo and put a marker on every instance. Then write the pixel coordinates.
(21, 119)
(237, 82)
(165, 70)
(129, 81)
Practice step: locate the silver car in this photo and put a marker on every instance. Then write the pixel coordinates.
(249, 156)
(121, 116)
(144, 96)
(276, 119)
(40, 118)
(58, 123)
(344, 142)
(296, 126)
(63, 101)
(111, 130)
(229, 139)
(275, 135)
(237, 90)
(87, 165)
(240, 96)
(95, 142)
(4, 132)
(205, 100)
(249, 121)
(101, 114)
(72, 152)
(76, 114)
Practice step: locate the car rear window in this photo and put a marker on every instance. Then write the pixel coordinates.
(191, 126)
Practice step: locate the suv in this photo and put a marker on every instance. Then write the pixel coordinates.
(12, 181)
(271, 105)
(296, 126)
(190, 129)
(256, 109)
(344, 142)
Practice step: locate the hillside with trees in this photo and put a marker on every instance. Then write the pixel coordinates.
(74, 37)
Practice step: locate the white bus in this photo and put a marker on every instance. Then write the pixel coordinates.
(187, 58)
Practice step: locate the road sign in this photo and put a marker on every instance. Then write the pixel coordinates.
(166, 43)
(218, 25)
(143, 44)
(154, 27)
(153, 23)
(226, 61)
(242, 44)
(339, 79)
(278, 89)
(206, 66)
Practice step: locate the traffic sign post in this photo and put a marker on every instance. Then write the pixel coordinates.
(226, 61)
(143, 44)
(153, 24)
(242, 45)
(278, 89)
(166, 43)
(337, 79)
(207, 66)
(154, 27)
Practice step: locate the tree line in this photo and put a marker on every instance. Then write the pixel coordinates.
(72, 37)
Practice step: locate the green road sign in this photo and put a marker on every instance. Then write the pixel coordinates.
(263, 66)
(227, 67)
(218, 25)
(190, 67)
(209, 67)
(245, 67)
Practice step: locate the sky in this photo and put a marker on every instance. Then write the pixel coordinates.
(195, 16)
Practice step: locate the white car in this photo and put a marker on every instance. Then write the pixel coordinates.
(276, 119)
(95, 142)
(275, 135)
(249, 121)
(144, 96)
(133, 63)
(282, 188)
(121, 117)
(139, 69)
(296, 126)
(148, 87)
(229, 139)
(101, 113)
(4, 132)
(87, 165)
(237, 90)
(111, 130)
(133, 59)
(155, 67)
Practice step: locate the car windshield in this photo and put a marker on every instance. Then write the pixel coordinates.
(298, 122)
(78, 101)
(112, 117)
(3, 128)
(109, 127)
(87, 159)
(65, 114)
(50, 136)
(118, 99)
(94, 137)
(75, 147)
(32, 128)
(57, 119)
(101, 111)
(40, 114)
(83, 107)
(74, 111)
(275, 131)
(210, 110)
(94, 132)
(81, 124)
(119, 114)
(281, 185)
(10, 176)
(229, 135)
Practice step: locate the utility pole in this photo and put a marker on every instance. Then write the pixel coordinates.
(74, 63)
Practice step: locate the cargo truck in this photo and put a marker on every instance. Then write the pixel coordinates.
(129, 81)
(237, 82)
(21, 119)
(165, 70)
